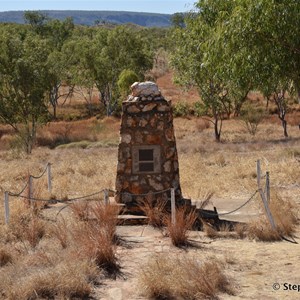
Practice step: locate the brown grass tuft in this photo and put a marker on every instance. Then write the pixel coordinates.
(154, 210)
(96, 238)
(106, 218)
(60, 231)
(65, 280)
(178, 232)
(210, 231)
(25, 225)
(80, 209)
(285, 216)
(34, 231)
(164, 277)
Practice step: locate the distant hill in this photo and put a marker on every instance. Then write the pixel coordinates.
(92, 17)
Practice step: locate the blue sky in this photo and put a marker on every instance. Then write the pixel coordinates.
(157, 6)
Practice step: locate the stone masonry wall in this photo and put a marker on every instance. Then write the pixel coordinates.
(147, 120)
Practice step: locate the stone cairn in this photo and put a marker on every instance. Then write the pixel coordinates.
(147, 125)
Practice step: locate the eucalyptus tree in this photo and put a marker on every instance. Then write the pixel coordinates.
(57, 33)
(23, 83)
(99, 59)
(268, 33)
(199, 59)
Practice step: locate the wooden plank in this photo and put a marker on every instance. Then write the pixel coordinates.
(132, 217)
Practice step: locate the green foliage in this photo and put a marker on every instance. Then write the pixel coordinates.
(230, 47)
(126, 79)
(177, 20)
(200, 109)
(23, 82)
(181, 109)
(100, 58)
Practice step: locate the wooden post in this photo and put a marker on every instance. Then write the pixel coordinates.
(106, 197)
(6, 206)
(49, 178)
(258, 173)
(173, 208)
(267, 209)
(268, 187)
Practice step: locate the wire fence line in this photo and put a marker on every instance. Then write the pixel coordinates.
(264, 192)
(60, 200)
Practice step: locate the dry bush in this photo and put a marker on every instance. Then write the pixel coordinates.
(64, 280)
(184, 221)
(285, 216)
(154, 210)
(164, 277)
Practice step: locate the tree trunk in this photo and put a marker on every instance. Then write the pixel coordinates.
(217, 129)
(284, 125)
(54, 111)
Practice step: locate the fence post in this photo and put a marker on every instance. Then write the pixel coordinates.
(106, 197)
(49, 178)
(6, 206)
(268, 186)
(258, 173)
(267, 209)
(173, 208)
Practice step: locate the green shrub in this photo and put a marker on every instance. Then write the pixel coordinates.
(181, 109)
(252, 117)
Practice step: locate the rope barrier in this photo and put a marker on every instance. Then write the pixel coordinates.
(38, 177)
(236, 209)
(150, 193)
(17, 195)
(26, 185)
(58, 200)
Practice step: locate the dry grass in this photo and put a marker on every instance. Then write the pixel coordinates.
(106, 218)
(62, 280)
(96, 238)
(5, 257)
(210, 231)
(178, 231)
(154, 210)
(80, 210)
(60, 231)
(285, 215)
(165, 277)
(95, 244)
(25, 225)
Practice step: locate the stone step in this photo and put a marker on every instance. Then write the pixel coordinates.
(132, 220)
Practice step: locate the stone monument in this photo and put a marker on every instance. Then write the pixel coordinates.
(147, 154)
